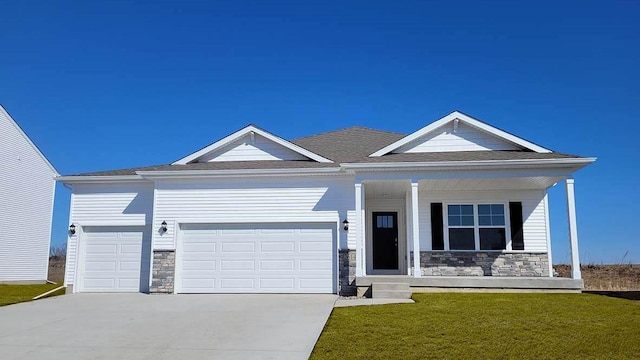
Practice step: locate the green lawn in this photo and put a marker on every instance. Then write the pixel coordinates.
(486, 326)
(11, 294)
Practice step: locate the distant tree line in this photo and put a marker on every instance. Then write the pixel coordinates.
(58, 252)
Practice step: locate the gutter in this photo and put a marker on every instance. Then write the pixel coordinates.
(98, 178)
(479, 164)
(239, 172)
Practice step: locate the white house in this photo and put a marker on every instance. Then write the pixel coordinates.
(458, 203)
(27, 188)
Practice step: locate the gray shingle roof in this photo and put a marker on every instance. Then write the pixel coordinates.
(350, 145)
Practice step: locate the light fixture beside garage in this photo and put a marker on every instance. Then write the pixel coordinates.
(72, 229)
(345, 224)
(163, 227)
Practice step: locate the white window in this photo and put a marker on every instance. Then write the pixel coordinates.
(476, 227)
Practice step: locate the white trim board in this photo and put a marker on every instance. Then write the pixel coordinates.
(456, 115)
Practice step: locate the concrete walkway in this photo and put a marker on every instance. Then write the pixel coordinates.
(369, 301)
(138, 326)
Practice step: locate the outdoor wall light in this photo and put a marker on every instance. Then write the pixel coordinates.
(345, 224)
(163, 227)
(72, 229)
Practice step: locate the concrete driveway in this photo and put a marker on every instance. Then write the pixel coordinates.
(184, 327)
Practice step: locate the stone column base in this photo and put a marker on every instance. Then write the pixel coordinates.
(162, 276)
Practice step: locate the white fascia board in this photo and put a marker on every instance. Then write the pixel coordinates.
(483, 164)
(31, 143)
(241, 172)
(238, 134)
(74, 179)
(468, 120)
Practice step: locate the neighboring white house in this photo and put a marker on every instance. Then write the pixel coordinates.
(458, 203)
(27, 188)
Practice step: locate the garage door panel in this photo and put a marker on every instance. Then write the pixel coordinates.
(236, 232)
(190, 284)
(277, 283)
(237, 283)
(237, 265)
(277, 265)
(258, 258)
(308, 283)
(203, 246)
(315, 246)
(278, 247)
(238, 247)
(315, 265)
(115, 259)
(101, 249)
(275, 232)
(100, 266)
(199, 265)
(98, 283)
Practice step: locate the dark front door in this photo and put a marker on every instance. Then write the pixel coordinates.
(385, 240)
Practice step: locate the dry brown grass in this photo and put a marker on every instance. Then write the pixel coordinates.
(56, 270)
(623, 277)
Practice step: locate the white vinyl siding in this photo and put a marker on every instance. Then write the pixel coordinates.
(260, 148)
(256, 258)
(242, 200)
(106, 205)
(27, 189)
(466, 138)
(533, 212)
(114, 259)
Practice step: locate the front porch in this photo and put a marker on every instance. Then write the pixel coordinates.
(469, 231)
(470, 283)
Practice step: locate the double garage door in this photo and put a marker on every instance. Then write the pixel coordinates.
(251, 258)
(230, 258)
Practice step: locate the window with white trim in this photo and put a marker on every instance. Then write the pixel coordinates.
(477, 227)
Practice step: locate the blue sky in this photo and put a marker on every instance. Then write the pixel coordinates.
(105, 85)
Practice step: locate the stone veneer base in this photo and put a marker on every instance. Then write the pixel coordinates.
(162, 275)
(347, 272)
(483, 263)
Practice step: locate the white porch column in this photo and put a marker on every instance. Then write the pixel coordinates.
(359, 232)
(415, 229)
(573, 229)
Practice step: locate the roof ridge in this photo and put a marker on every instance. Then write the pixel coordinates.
(347, 128)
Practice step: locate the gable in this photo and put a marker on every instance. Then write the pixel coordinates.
(459, 132)
(250, 144)
(252, 148)
(460, 137)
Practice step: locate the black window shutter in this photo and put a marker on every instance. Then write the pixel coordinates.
(437, 235)
(517, 239)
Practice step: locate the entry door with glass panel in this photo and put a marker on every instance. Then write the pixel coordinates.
(385, 240)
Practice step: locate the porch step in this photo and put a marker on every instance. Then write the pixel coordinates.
(390, 290)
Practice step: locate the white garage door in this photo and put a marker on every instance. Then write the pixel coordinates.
(256, 258)
(115, 259)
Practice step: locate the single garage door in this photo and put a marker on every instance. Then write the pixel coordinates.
(115, 259)
(256, 258)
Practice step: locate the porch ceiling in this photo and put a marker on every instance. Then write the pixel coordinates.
(390, 189)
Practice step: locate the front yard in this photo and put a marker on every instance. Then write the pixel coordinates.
(486, 326)
(11, 294)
